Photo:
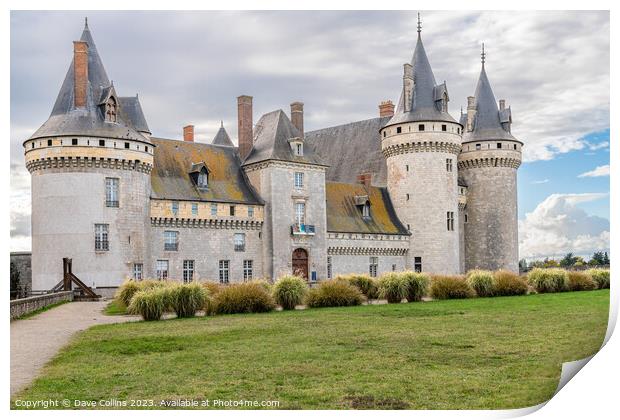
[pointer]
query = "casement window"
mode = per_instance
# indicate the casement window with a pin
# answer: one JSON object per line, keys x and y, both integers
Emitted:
{"x": 329, "y": 267}
{"x": 449, "y": 165}
{"x": 239, "y": 241}
{"x": 174, "y": 206}
{"x": 137, "y": 271}
{"x": 49, "y": 142}
{"x": 102, "y": 143}
{"x": 299, "y": 149}
{"x": 224, "y": 271}
{"x": 499, "y": 145}
{"x": 111, "y": 192}
{"x": 161, "y": 269}
{"x": 299, "y": 179}
{"x": 213, "y": 209}
{"x": 188, "y": 271}
{"x": 74, "y": 142}
{"x": 300, "y": 213}
{"x": 247, "y": 270}
{"x": 373, "y": 265}
{"x": 450, "y": 220}
{"x": 232, "y": 210}
{"x": 126, "y": 145}
{"x": 421, "y": 127}
{"x": 171, "y": 240}
{"x": 203, "y": 179}
{"x": 101, "y": 237}
{"x": 417, "y": 264}
{"x": 194, "y": 209}
{"x": 250, "y": 211}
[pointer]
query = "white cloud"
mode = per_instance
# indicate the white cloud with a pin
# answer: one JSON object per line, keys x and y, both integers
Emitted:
{"x": 598, "y": 171}
{"x": 598, "y": 146}
{"x": 557, "y": 226}
{"x": 542, "y": 181}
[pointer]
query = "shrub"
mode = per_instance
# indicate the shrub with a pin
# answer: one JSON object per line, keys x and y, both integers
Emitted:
{"x": 126, "y": 291}
{"x": 289, "y": 291}
{"x": 393, "y": 287}
{"x": 417, "y": 285}
{"x": 481, "y": 281}
{"x": 507, "y": 283}
{"x": 264, "y": 284}
{"x": 600, "y": 276}
{"x": 580, "y": 280}
{"x": 243, "y": 298}
{"x": 333, "y": 293}
{"x": 213, "y": 289}
{"x": 366, "y": 284}
{"x": 450, "y": 287}
{"x": 548, "y": 280}
{"x": 186, "y": 299}
{"x": 150, "y": 304}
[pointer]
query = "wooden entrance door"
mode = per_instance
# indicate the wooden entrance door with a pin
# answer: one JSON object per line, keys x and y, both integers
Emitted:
{"x": 300, "y": 263}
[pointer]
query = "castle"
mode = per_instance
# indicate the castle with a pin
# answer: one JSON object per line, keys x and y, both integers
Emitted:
{"x": 410, "y": 189}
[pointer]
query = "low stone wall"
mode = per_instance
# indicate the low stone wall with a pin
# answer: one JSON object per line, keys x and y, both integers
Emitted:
{"x": 21, "y": 307}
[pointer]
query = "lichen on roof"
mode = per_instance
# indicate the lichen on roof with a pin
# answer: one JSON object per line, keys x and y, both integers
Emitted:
{"x": 344, "y": 213}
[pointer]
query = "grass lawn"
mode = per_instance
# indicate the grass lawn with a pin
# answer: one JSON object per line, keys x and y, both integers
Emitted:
{"x": 477, "y": 353}
{"x": 115, "y": 307}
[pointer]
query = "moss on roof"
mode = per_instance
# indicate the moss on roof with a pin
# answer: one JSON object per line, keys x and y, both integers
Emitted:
{"x": 173, "y": 161}
{"x": 343, "y": 215}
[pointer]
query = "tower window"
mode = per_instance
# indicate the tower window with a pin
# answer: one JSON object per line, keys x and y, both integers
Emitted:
{"x": 407, "y": 168}
{"x": 110, "y": 109}
{"x": 49, "y": 142}
{"x": 465, "y": 217}
{"x": 232, "y": 210}
{"x": 74, "y": 142}
{"x": 188, "y": 271}
{"x": 32, "y": 145}
{"x": 239, "y": 241}
{"x": 171, "y": 240}
{"x": 458, "y": 130}
{"x": 478, "y": 147}
{"x": 407, "y": 196}
{"x": 126, "y": 145}
{"x": 417, "y": 264}
{"x": 421, "y": 127}
{"x": 449, "y": 165}
{"x": 102, "y": 143}
{"x": 384, "y": 133}
{"x": 515, "y": 146}
{"x": 366, "y": 211}
{"x": 101, "y": 237}
{"x": 203, "y": 179}
{"x": 399, "y": 130}
{"x": 450, "y": 220}
{"x": 372, "y": 266}
{"x": 444, "y": 127}
{"x": 146, "y": 149}
{"x": 499, "y": 145}
{"x": 111, "y": 192}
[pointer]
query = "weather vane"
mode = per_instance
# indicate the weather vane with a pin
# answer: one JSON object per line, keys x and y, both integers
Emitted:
{"x": 483, "y": 55}
{"x": 419, "y": 23}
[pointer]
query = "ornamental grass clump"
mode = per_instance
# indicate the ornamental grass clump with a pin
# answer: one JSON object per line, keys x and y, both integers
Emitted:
{"x": 212, "y": 289}
{"x": 393, "y": 287}
{"x": 481, "y": 281}
{"x": 264, "y": 284}
{"x": 417, "y": 285}
{"x": 243, "y": 298}
{"x": 331, "y": 293}
{"x": 548, "y": 280}
{"x": 365, "y": 284}
{"x": 186, "y": 299}
{"x": 126, "y": 291}
{"x": 150, "y": 304}
{"x": 600, "y": 276}
{"x": 289, "y": 291}
{"x": 450, "y": 287}
{"x": 507, "y": 283}
{"x": 580, "y": 280}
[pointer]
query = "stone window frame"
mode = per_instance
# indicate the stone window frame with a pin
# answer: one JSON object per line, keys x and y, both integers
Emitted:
{"x": 188, "y": 271}
{"x": 448, "y": 165}
{"x": 224, "y": 271}
{"x": 213, "y": 209}
{"x": 239, "y": 241}
{"x": 248, "y": 270}
{"x": 102, "y": 241}
{"x": 373, "y": 266}
{"x": 171, "y": 240}
{"x": 450, "y": 221}
{"x": 162, "y": 269}
{"x": 231, "y": 210}
{"x": 195, "y": 209}
{"x": 138, "y": 271}
{"x": 417, "y": 264}
{"x": 300, "y": 217}
{"x": 112, "y": 192}
{"x": 174, "y": 207}
{"x": 298, "y": 180}
{"x": 251, "y": 212}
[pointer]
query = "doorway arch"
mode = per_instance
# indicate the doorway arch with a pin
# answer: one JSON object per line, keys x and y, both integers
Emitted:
{"x": 300, "y": 263}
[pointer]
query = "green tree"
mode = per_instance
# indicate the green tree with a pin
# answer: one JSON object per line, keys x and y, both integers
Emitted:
{"x": 569, "y": 260}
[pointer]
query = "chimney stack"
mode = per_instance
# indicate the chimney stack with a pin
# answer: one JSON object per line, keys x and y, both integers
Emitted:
{"x": 471, "y": 112}
{"x": 80, "y": 73}
{"x": 386, "y": 109}
{"x": 365, "y": 179}
{"x": 502, "y": 104}
{"x": 188, "y": 133}
{"x": 297, "y": 116}
{"x": 244, "y": 125}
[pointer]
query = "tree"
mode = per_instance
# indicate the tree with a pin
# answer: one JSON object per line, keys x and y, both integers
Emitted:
{"x": 606, "y": 259}
{"x": 547, "y": 263}
{"x": 522, "y": 265}
{"x": 569, "y": 260}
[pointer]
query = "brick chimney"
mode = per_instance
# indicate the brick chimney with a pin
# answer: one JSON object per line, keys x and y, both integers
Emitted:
{"x": 188, "y": 133}
{"x": 297, "y": 116}
{"x": 80, "y": 73}
{"x": 386, "y": 109}
{"x": 244, "y": 125}
{"x": 364, "y": 179}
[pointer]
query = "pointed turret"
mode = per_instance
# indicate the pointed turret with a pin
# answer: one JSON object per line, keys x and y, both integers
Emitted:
{"x": 222, "y": 138}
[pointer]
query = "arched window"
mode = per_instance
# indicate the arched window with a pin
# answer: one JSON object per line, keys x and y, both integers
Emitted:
{"x": 110, "y": 109}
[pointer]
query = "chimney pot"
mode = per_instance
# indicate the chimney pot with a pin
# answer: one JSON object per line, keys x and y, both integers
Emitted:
{"x": 244, "y": 125}
{"x": 80, "y": 73}
{"x": 386, "y": 109}
{"x": 502, "y": 104}
{"x": 364, "y": 179}
{"x": 188, "y": 133}
{"x": 297, "y": 116}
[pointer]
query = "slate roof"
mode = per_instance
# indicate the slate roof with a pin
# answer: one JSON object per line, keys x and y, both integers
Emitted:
{"x": 271, "y": 141}
{"x": 174, "y": 160}
{"x": 425, "y": 92}
{"x": 65, "y": 119}
{"x": 350, "y": 150}
{"x": 131, "y": 111}
{"x": 343, "y": 215}
{"x": 488, "y": 119}
{"x": 221, "y": 138}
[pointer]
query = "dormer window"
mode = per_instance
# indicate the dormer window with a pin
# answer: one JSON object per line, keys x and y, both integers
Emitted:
{"x": 363, "y": 204}
{"x": 366, "y": 211}
{"x": 299, "y": 149}
{"x": 111, "y": 109}
{"x": 199, "y": 173}
{"x": 203, "y": 179}
{"x": 297, "y": 146}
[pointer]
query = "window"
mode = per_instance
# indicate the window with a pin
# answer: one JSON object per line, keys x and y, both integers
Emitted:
{"x": 111, "y": 192}
{"x": 465, "y": 217}
{"x": 444, "y": 127}
{"x": 478, "y": 146}
{"x": 126, "y": 145}
{"x": 458, "y": 130}
{"x": 449, "y": 165}
{"x": 110, "y": 109}
{"x": 417, "y": 264}
{"x": 407, "y": 196}
{"x": 393, "y": 267}
{"x": 299, "y": 149}
{"x": 450, "y": 220}
{"x": 195, "y": 209}
{"x": 232, "y": 210}
{"x": 137, "y": 271}
{"x": 74, "y": 142}
{"x": 329, "y": 267}
{"x": 247, "y": 270}
{"x": 203, "y": 179}
{"x": 372, "y": 268}
{"x": 188, "y": 271}
{"x": 32, "y": 147}
{"x": 299, "y": 179}
{"x": 146, "y": 149}
{"x": 384, "y": 134}
{"x": 407, "y": 168}
{"x": 420, "y": 127}
{"x": 399, "y": 130}
{"x": 102, "y": 143}
{"x": 499, "y": 145}
{"x": 409, "y": 227}
{"x": 366, "y": 211}
{"x": 224, "y": 271}
{"x": 300, "y": 213}
{"x": 515, "y": 146}
{"x": 239, "y": 241}
{"x": 49, "y": 142}
{"x": 101, "y": 237}
{"x": 250, "y": 211}
{"x": 175, "y": 207}
{"x": 171, "y": 242}
{"x": 213, "y": 209}
{"x": 161, "y": 268}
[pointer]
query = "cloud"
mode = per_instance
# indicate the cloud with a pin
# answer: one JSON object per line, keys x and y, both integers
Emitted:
{"x": 542, "y": 181}
{"x": 598, "y": 146}
{"x": 557, "y": 226}
{"x": 598, "y": 171}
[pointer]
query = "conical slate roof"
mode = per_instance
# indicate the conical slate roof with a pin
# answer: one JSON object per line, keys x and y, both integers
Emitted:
{"x": 423, "y": 106}
{"x": 488, "y": 119}
{"x": 66, "y": 119}
{"x": 222, "y": 138}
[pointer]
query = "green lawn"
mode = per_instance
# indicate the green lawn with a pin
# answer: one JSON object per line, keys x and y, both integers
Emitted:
{"x": 477, "y": 353}
{"x": 115, "y": 307}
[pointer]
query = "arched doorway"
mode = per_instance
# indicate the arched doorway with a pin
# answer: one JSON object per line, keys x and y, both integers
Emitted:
{"x": 300, "y": 263}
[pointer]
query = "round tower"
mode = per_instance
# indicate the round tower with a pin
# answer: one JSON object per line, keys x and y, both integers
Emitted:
{"x": 488, "y": 166}
{"x": 421, "y": 144}
{"x": 90, "y": 167}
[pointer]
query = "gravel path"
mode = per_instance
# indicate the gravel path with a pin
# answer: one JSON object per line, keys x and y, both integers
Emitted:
{"x": 35, "y": 341}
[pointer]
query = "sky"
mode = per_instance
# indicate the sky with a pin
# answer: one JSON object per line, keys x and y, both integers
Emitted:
{"x": 188, "y": 68}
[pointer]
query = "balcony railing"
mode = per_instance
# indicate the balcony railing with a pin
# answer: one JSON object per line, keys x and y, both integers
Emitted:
{"x": 302, "y": 229}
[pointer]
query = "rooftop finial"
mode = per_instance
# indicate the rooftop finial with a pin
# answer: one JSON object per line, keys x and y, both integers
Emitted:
{"x": 419, "y": 24}
{"x": 483, "y": 55}
{"x": 221, "y": 123}
{"x": 86, "y": 22}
